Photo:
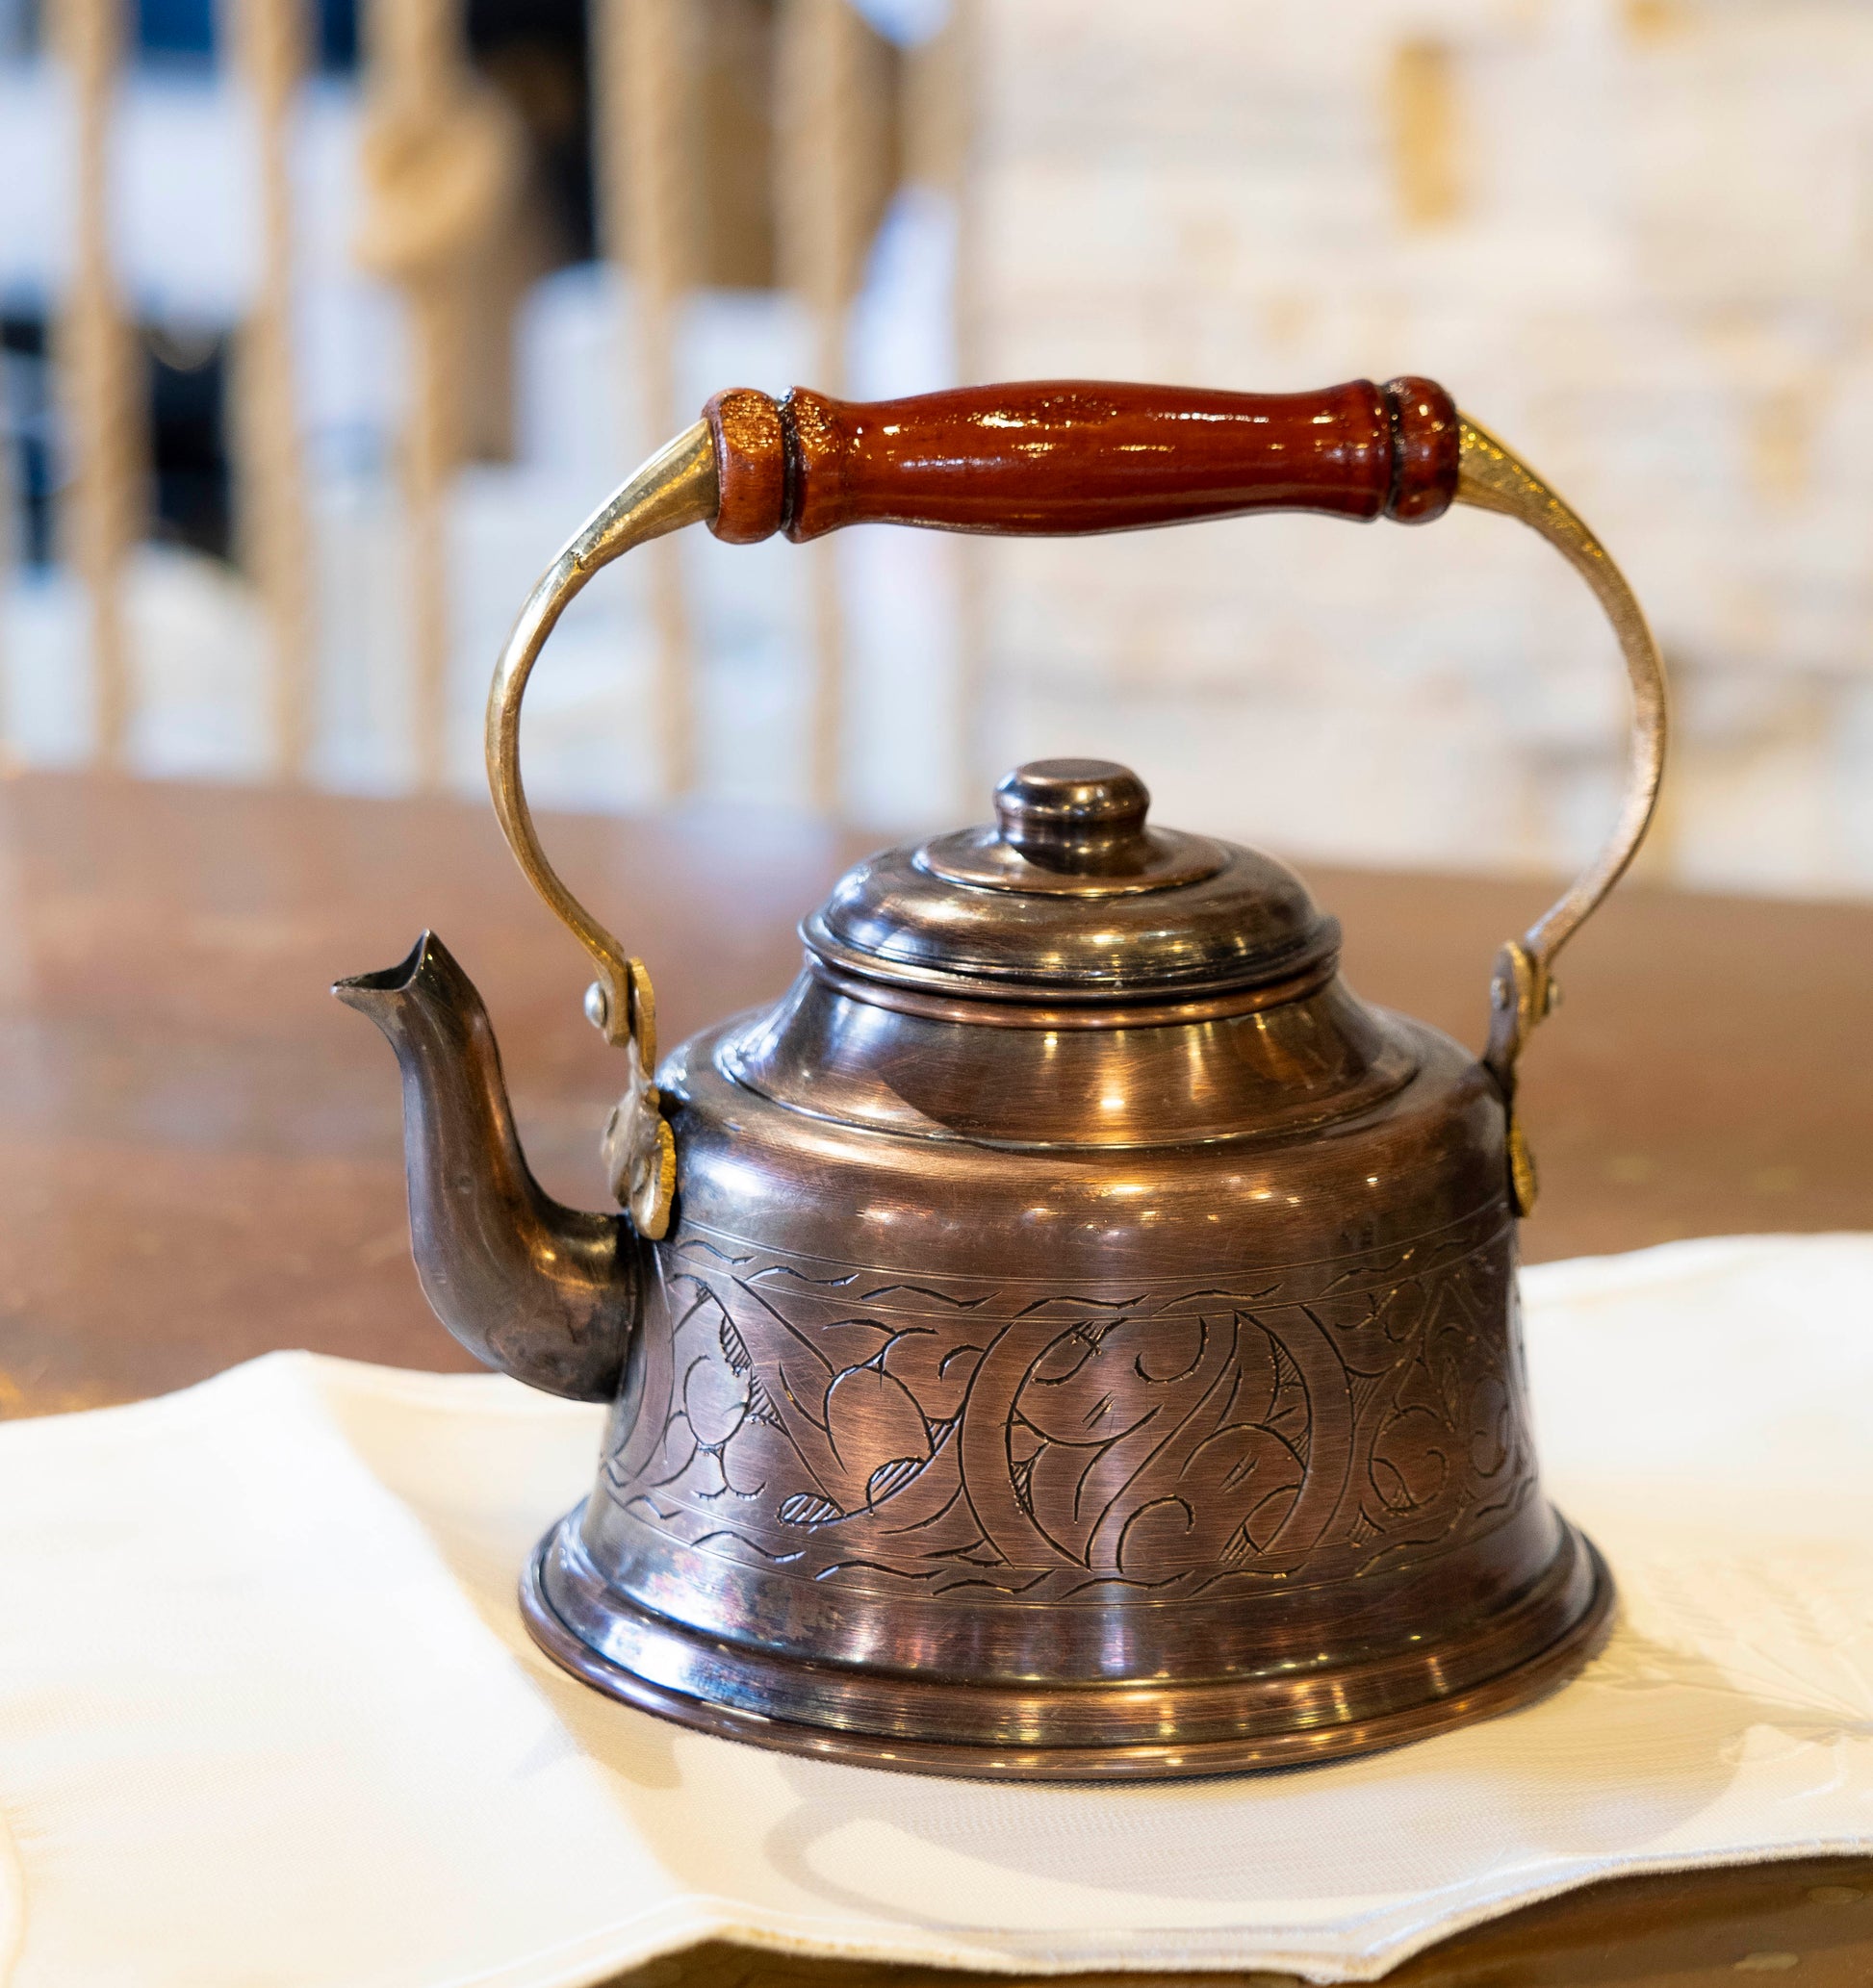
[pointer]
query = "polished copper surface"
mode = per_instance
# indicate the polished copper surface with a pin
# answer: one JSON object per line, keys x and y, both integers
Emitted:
{"x": 1302, "y": 1053}
{"x": 199, "y": 1160}
{"x": 484, "y": 1221}
{"x": 1105, "y": 1734}
{"x": 1137, "y": 1399}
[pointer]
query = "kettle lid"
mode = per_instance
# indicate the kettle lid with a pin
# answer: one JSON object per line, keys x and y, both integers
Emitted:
{"x": 1071, "y": 893}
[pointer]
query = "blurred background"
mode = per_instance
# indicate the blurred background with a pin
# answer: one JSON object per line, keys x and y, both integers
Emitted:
{"x": 325, "y": 325}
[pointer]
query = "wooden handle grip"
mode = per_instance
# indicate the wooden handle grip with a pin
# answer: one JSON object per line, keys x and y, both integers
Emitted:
{"x": 1061, "y": 457}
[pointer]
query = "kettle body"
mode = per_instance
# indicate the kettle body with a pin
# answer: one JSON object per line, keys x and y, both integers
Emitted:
{"x": 1022, "y": 1464}
{"x": 1069, "y": 1335}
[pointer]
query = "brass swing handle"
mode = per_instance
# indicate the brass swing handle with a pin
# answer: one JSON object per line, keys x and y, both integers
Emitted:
{"x": 1055, "y": 458}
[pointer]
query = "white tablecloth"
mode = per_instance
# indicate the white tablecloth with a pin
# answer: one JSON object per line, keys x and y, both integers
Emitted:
{"x": 268, "y": 1713}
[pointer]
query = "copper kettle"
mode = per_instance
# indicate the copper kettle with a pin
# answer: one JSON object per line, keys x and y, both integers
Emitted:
{"x": 1069, "y": 1334}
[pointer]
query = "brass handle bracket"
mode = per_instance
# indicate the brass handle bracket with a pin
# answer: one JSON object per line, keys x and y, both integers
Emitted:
{"x": 676, "y": 487}
{"x": 1523, "y": 989}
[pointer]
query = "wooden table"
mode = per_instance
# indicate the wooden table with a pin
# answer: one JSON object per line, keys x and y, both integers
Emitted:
{"x": 200, "y": 1155}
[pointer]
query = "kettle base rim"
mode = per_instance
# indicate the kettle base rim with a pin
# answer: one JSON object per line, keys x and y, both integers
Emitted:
{"x": 1554, "y": 1630}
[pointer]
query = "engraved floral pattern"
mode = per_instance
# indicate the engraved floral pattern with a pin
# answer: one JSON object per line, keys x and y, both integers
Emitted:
{"x": 983, "y": 1438}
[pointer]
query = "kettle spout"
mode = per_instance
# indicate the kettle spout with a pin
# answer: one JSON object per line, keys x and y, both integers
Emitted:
{"x": 544, "y": 1292}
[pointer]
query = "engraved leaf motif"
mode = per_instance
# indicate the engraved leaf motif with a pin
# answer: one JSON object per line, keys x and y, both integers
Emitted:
{"x": 715, "y": 1399}
{"x": 1084, "y": 1387}
{"x": 1409, "y": 1465}
{"x": 1161, "y": 1435}
{"x": 891, "y": 1477}
{"x": 1492, "y": 1426}
{"x": 1155, "y": 1536}
{"x": 1243, "y": 1482}
{"x": 935, "y": 1369}
{"x": 872, "y": 1419}
{"x": 1052, "y": 1481}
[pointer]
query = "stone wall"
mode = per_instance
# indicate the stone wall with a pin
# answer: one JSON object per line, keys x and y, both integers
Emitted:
{"x": 1632, "y": 238}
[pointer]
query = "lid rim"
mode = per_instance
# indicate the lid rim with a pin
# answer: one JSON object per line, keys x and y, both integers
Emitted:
{"x": 1021, "y": 984}
{"x": 1173, "y": 1008}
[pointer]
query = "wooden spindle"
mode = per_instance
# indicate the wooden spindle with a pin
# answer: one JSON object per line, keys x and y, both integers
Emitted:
{"x": 831, "y": 124}
{"x": 442, "y": 165}
{"x": 268, "y": 38}
{"x": 649, "y": 216}
{"x": 939, "y": 100}
{"x": 101, "y": 376}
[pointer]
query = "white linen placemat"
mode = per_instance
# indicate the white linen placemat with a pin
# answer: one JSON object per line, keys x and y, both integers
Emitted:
{"x": 268, "y": 1713}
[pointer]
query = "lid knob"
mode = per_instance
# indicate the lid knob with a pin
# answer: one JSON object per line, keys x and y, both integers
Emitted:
{"x": 1085, "y": 816}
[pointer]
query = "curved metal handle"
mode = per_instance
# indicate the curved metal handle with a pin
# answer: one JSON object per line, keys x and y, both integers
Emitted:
{"x": 1061, "y": 458}
{"x": 675, "y": 488}
{"x": 1521, "y": 991}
